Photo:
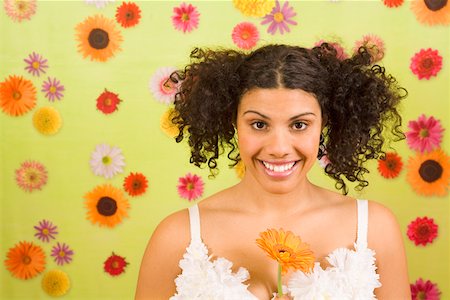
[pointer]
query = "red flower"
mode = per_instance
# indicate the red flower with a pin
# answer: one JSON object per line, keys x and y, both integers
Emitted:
{"x": 424, "y": 290}
{"x": 390, "y": 166}
{"x": 107, "y": 102}
{"x": 135, "y": 184}
{"x": 393, "y": 3}
{"x": 426, "y": 63}
{"x": 422, "y": 231}
{"x": 245, "y": 35}
{"x": 115, "y": 265}
{"x": 128, "y": 14}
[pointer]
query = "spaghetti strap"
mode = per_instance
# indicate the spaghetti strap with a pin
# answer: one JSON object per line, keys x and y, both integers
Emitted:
{"x": 363, "y": 216}
{"x": 194, "y": 219}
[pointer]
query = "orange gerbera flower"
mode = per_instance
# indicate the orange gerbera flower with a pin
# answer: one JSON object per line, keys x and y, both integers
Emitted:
{"x": 135, "y": 184}
{"x": 25, "y": 260}
{"x": 429, "y": 173}
{"x": 390, "y": 166}
{"x": 17, "y": 95}
{"x": 98, "y": 38}
{"x": 432, "y": 12}
{"x": 287, "y": 249}
{"x": 106, "y": 205}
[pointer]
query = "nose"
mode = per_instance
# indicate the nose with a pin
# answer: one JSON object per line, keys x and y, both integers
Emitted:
{"x": 279, "y": 144}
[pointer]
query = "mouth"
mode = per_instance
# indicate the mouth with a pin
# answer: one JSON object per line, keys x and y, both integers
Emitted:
{"x": 279, "y": 169}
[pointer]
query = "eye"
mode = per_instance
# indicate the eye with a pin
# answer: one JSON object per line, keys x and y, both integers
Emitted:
{"x": 259, "y": 125}
{"x": 299, "y": 125}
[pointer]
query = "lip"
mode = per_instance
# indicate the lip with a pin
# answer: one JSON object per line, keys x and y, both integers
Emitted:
{"x": 278, "y": 167}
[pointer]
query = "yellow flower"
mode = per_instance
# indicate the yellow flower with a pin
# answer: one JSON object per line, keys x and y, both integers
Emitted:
{"x": 429, "y": 173}
{"x": 287, "y": 249}
{"x": 47, "y": 120}
{"x": 254, "y": 8}
{"x": 240, "y": 169}
{"x": 55, "y": 283}
{"x": 166, "y": 124}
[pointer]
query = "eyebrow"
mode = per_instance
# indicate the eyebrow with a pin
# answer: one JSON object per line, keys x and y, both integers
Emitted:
{"x": 292, "y": 118}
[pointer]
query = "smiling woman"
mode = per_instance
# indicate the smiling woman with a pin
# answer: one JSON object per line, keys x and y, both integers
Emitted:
{"x": 276, "y": 110}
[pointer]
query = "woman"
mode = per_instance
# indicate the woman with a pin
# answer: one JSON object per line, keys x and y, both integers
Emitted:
{"x": 278, "y": 109}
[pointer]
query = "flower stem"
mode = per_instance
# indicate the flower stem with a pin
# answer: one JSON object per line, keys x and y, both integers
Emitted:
{"x": 280, "y": 288}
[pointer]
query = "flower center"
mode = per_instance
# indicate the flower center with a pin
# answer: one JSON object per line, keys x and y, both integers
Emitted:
{"x": 26, "y": 260}
{"x": 106, "y": 160}
{"x": 98, "y": 38}
{"x": 45, "y": 231}
{"x": 424, "y": 133}
{"x": 52, "y": 89}
{"x": 35, "y": 65}
{"x": 62, "y": 253}
{"x": 430, "y": 170}
{"x": 435, "y": 5}
{"x": 115, "y": 264}
{"x": 278, "y": 17}
{"x": 284, "y": 253}
{"x": 391, "y": 164}
{"x": 136, "y": 184}
{"x": 421, "y": 295}
{"x": 167, "y": 86}
{"x": 107, "y": 102}
{"x": 423, "y": 231}
{"x": 185, "y": 17}
{"x": 129, "y": 15}
{"x": 427, "y": 63}
{"x": 245, "y": 35}
{"x": 190, "y": 186}
{"x": 21, "y": 6}
{"x": 106, "y": 206}
{"x": 16, "y": 95}
{"x": 32, "y": 176}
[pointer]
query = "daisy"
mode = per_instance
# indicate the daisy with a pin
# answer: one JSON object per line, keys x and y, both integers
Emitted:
{"x": 340, "y": 51}
{"x": 115, "y": 265}
{"x": 390, "y": 166}
{"x": 424, "y": 134}
{"x": 99, "y": 3}
{"x": 254, "y": 8}
{"x": 106, "y": 205}
{"x": 19, "y": 10}
{"x": 26, "y": 260}
{"x": 185, "y": 17}
{"x": 422, "y": 231}
{"x": 429, "y": 173}
{"x": 279, "y": 18}
{"x": 62, "y": 254}
{"x": 426, "y": 63}
{"x": 424, "y": 290}
{"x": 245, "y": 35}
{"x": 45, "y": 231}
{"x": 431, "y": 12}
{"x": 52, "y": 89}
{"x": 374, "y": 44}
{"x": 36, "y": 64}
{"x": 166, "y": 124}
{"x": 108, "y": 102}
{"x": 47, "y": 120}
{"x": 98, "y": 38}
{"x": 135, "y": 184}
{"x": 107, "y": 161}
{"x": 17, "y": 95}
{"x": 55, "y": 283}
{"x": 393, "y": 3}
{"x": 128, "y": 14}
{"x": 190, "y": 187}
{"x": 162, "y": 88}
{"x": 31, "y": 175}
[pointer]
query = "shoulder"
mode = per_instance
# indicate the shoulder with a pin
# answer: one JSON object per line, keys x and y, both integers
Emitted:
{"x": 173, "y": 229}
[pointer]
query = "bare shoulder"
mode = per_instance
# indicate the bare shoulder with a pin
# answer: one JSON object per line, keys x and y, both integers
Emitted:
{"x": 383, "y": 225}
{"x": 160, "y": 263}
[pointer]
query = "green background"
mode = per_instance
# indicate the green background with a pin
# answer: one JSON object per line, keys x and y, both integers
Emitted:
{"x": 135, "y": 128}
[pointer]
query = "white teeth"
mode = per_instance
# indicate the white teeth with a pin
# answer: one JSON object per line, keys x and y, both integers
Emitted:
{"x": 278, "y": 168}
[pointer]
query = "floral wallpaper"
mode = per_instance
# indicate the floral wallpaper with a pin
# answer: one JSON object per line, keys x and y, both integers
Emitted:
{"x": 88, "y": 158}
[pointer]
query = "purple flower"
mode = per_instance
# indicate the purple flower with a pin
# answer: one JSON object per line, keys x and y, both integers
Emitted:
{"x": 35, "y": 64}
{"x": 53, "y": 89}
{"x": 45, "y": 231}
{"x": 62, "y": 254}
{"x": 279, "y": 18}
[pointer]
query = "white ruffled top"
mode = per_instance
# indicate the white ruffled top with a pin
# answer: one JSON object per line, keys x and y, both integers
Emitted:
{"x": 350, "y": 276}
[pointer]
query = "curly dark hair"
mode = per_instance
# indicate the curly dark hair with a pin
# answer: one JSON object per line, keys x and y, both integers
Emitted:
{"x": 358, "y": 102}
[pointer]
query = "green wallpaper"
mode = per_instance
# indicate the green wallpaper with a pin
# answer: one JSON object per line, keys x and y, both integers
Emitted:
{"x": 135, "y": 128}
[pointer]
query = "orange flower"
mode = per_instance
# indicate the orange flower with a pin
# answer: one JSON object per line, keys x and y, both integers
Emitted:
{"x": 25, "y": 260}
{"x": 135, "y": 184}
{"x": 429, "y": 173}
{"x": 390, "y": 166}
{"x": 17, "y": 95}
{"x": 287, "y": 249}
{"x": 430, "y": 12}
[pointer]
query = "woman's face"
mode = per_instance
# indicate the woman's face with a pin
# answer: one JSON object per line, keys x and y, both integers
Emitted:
{"x": 278, "y": 136}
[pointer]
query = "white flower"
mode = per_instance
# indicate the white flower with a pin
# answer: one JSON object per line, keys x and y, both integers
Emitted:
{"x": 98, "y": 3}
{"x": 107, "y": 161}
{"x": 164, "y": 91}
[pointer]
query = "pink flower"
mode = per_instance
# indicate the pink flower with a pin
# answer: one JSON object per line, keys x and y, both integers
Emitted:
{"x": 425, "y": 134}
{"x": 45, "y": 231}
{"x": 424, "y": 290}
{"x": 20, "y": 10}
{"x": 53, "y": 89}
{"x": 279, "y": 18}
{"x": 163, "y": 90}
{"x": 190, "y": 187}
{"x": 374, "y": 45}
{"x": 340, "y": 51}
{"x": 36, "y": 64}
{"x": 62, "y": 254}
{"x": 426, "y": 63}
{"x": 185, "y": 17}
{"x": 31, "y": 175}
{"x": 422, "y": 231}
{"x": 245, "y": 35}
